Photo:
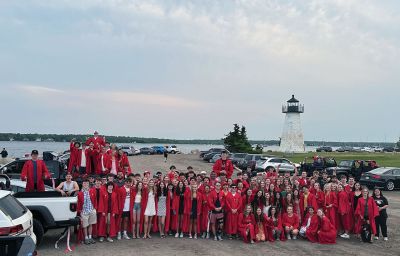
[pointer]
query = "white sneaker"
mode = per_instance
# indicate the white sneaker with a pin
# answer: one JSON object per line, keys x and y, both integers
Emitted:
{"x": 190, "y": 236}
{"x": 119, "y": 236}
{"x": 215, "y": 238}
{"x": 109, "y": 239}
{"x": 101, "y": 239}
{"x": 181, "y": 236}
{"x": 385, "y": 239}
{"x": 195, "y": 236}
{"x": 176, "y": 235}
{"x": 126, "y": 237}
{"x": 220, "y": 238}
{"x": 345, "y": 236}
{"x": 288, "y": 237}
{"x": 294, "y": 237}
{"x": 208, "y": 236}
{"x": 376, "y": 238}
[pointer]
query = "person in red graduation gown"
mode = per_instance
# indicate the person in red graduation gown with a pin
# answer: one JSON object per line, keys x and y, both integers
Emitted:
{"x": 97, "y": 141}
{"x": 192, "y": 211}
{"x": 169, "y": 209}
{"x": 126, "y": 202}
{"x": 179, "y": 208}
{"x": 290, "y": 223}
{"x": 217, "y": 205}
{"x": 109, "y": 210}
{"x": 246, "y": 223}
{"x": 247, "y": 199}
{"x": 343, "y": 212}
{"x": 223, "y": 164}
{"x": 123, "y": 161}
{"x": 310, "y": 226}
{"x": 307, "y": 199}
{"x": 34, "y": 172}
{"x": 260, "y": 227}
{"x": 319, "y": 196}
{"x": 233, "y": 203}
{"x": 103, "y": 163}
{"x": 331, "y": 202}
{"x": 274, "y": 227}
{"x": 205, "y": 211}
{"x": 74, "y": 152}
{"x": 368, "y": 216}
{"x": 97, "y": 188}
{"x": 327, "y": 231}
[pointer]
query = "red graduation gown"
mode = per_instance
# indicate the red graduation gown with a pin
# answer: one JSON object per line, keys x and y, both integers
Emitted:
{"x": 103, "y": 208}
{"x": 205, "y": 209}
{"x": 343, "y": 211}
{"x": 271, "y": 225}
{"x": 98, "y": 142}
{"x": 311, "y": 201}
{"x": 373, "y": 212}
{"x": 331, "y": 198}
{"x": 188, "y": 210}
{"x": 41, "y": 173}
{"x": 232, "y": 202}
{"x": 327, "y": 232}
{"x": 311, "y": 232}
{"x": 244, "y": 223}
{"x": 123, "y": 161}
{"x": 228, "y": 168}
{"x": 288, "y": 221}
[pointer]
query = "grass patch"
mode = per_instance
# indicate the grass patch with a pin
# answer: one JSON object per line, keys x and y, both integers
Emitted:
{"x": 383, "y": 159}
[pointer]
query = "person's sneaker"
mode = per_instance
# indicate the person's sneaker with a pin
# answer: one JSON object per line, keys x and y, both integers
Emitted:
{"x": 109, "y": 239}
{"x": 215, "y": 238}
{"x": 87, "y": 241}
{"x": 195, "y": 236}
{"x": 190, "y": 236}
{"x": 119, "y": 236}
{"x": 181, "y": 235}
{"x": 220, "y": 238}
{"x": 345, "y": 236}
{"x": 208, "y": 236}
{"x": 230, "y": 237}
{"x": 252, "y": 242}
{"x": 203, "y": 235}
{"x": 101, "y": 239}
{"x": 92, "y": 241}
{"x": 294, "y": 237}
{"x": 177, "y": 235}
{"x": 126, "y": 237}
{"x": 288, "y": 237}
{"x": 385, "y": 239}
{"x": 377, "y": 238}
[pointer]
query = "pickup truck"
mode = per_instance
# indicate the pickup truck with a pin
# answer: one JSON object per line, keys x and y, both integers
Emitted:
{"x": 353, "y": 167}
{"x": 318, "y": 164}
{"x": 56, "y": 169}
{"x": 50, "y": 210}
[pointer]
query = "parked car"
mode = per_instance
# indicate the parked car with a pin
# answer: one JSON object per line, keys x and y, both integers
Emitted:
{"x": 238, "y": 158}
{"x": 324, "y": 149}
{"x": 250, "y": 161}
{"x": 209, "y": 156}
{"x": 50, "y": 209}
{"x": 353, "y": 167}
{"x": 284, "y": 164}
{"x": 56, "y": 168}
{"x": 388, "y": 149}
{"x": 211, "y": 150}
{"x": 173, "y": 149}
{"x": 345, "y": 149}
{"x": 367, "y": 149}
{"x": 17, "y": 236}
{"x": 215, "y": 158}
{"x": 317, "y": 164}
{"x": 147, "y": 151}
{"x": 384, "y": 177}
{"x": 159, "y": 149}
{"x": 127, "y": 150}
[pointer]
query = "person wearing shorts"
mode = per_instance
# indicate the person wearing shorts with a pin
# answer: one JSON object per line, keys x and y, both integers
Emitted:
{"x": 217, "y": 214}
{"x": 87, "y": 211}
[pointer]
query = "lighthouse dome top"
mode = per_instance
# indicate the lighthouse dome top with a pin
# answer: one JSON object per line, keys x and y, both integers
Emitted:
{"x": 293, "y": 99}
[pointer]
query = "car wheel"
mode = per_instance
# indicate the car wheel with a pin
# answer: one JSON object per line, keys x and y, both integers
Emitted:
{"x": 38, "y": 230}
{"x": 173, "y": 152}
{"x": 389, "y": 185}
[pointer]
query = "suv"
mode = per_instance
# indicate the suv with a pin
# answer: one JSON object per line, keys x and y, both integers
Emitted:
{"x": 250, "y": 161}
{"x": 16, "y": 227}
{"x": 127, "y": 150}
{"x": 324, "y": 149}
{"x": 56, "y": 169}
{"x": 283, "y": 164}
{"x": 159, "y": 149}
{"x": 173, "y": 149}
{"x": 212, "y": 150}
{"x": 238, "y": 158}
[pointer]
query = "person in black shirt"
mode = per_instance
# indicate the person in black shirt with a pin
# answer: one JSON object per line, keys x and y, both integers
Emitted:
{"x": 4, "y": 153}
{"x": 380, "y": 220}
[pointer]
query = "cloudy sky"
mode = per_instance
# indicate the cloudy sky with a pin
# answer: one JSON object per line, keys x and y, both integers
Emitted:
{"x": 190, "y": 69}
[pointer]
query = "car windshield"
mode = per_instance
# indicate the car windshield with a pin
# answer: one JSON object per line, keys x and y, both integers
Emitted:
{"x": 379, "y": 171}
{"x": 12, "y": 207}
{"x": 345, "y": 163}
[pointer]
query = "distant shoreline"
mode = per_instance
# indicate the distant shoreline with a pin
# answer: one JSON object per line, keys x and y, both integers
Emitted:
{"x": 26, "y": 137}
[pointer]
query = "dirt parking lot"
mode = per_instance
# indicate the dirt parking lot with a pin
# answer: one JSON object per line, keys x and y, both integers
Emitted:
{"x": 185, "y": 246}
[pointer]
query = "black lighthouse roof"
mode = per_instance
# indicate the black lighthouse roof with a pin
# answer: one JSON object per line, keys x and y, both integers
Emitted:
{"x": 293, "y": 99}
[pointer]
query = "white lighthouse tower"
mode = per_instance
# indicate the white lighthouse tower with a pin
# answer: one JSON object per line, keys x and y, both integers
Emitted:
{"x": 292, "y": 139}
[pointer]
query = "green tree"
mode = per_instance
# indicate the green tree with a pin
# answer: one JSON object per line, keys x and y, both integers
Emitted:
{"x": 237, "y": 141}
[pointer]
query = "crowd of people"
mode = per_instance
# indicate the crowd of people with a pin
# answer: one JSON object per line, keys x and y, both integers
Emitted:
{"x": 116, "y": 203}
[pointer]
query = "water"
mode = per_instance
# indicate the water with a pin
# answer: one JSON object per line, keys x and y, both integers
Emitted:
{"x": 20, "y": 148}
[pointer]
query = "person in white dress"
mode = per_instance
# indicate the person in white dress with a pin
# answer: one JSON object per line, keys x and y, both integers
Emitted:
{"x": 150, "y": 211}
{"x": 162, "y": 192}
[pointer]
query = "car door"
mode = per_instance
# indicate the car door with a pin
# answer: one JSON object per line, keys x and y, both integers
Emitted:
{"x": 14, "y": 169}
{"x": 286, "y": 165}
{"x": 396, "y": 177}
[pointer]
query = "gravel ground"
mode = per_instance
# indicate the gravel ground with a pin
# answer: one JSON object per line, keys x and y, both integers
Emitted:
{"x": 185, "y": 246}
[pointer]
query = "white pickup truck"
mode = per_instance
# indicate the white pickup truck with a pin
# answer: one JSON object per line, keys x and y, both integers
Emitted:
{"x": 50, "y": 210}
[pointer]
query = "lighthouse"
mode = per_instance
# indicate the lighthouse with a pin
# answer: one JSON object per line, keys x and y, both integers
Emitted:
{"x": 292, "y": 139}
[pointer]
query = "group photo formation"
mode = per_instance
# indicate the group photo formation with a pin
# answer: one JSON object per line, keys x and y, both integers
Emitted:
{"x": 221, "y": 128}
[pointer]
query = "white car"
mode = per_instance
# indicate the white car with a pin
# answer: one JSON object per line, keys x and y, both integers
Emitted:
{"x": 16, "y": 224}
{"x": 284, "y": 164}
{"x": 173, "y": 149}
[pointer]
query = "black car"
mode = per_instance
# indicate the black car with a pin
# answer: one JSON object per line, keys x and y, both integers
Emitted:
{"x": 147, "y": 151}
{"x": 56, "y": 169}
{"x": 324, "y": 149}
{"x": 209, "y": 156}
{"x": 212, "y": 150}
{"x": 384, "y": 177}
{"x": 318, "y": 164}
